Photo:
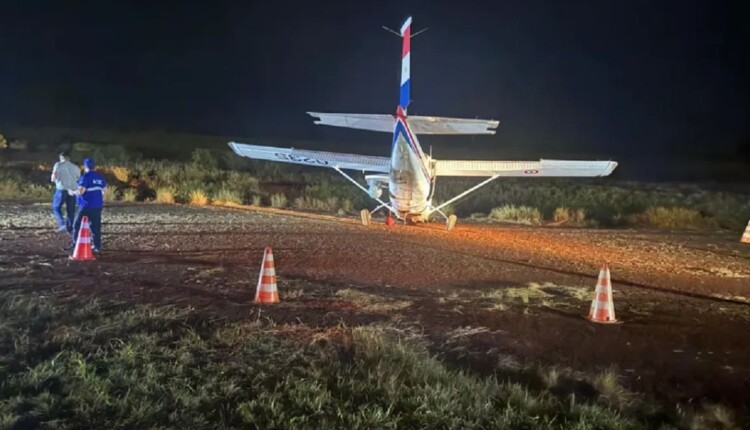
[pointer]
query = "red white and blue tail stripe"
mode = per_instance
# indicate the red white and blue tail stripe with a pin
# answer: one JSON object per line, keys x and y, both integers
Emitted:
{"x": 405, "y": 59}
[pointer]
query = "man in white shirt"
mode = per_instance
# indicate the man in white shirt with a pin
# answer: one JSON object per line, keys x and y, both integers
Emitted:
{"x": 65, "y": 176}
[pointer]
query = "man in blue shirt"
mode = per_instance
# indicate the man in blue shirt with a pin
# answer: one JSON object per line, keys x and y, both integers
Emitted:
{"x": 90, "y": 200}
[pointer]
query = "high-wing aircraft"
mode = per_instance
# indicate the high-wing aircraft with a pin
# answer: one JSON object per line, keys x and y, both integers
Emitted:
{"x": 409, "y": 173}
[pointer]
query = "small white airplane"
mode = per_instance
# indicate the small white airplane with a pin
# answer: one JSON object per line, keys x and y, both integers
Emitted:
{"x": 409, "y": 173}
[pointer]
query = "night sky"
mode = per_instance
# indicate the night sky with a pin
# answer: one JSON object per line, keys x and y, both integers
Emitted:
{"x": 638, "y": 77}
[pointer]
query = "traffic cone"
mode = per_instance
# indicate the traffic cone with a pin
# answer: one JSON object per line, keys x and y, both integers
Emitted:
{"x": 82, "y": 250}
{"x": 266, "y": 291}
{"x": 602, "y": 307}
{"x": 390, "y": 221}
{"x": 746, "y": 234}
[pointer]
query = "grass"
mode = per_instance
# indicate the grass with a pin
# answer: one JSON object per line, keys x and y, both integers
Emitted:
{"x": 372, "y": 302}
{"x": 13, "y": 190}
{"x": 226, "y": 196}
{"x": 607, "y": 202}
{"x": 165, "y": 194}
{"x": 129, "y": 195}
{"x": 676, "y": 217}
{"x": 109, "y": 193}
{"x": 199, "y": 197}
{"x": 278, "y": 201}
{"x": 90, "y": 364}
{"x": 710, "y": 417}
{"x": 526, "y": 293}
{"x": 120, "y": 173}
{"x": 547, "y": 294}
{"x": 610, "y": 390}
{"x": 520, "y": 214}
{"x": 569, "y": 216}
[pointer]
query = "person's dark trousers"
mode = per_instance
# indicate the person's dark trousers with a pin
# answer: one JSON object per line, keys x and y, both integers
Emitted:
{"x": 95, "y": 222}
{"x": 60, "y": 198}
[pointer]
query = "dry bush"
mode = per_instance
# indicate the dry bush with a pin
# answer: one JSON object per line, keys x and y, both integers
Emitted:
{"x": 561, "y": 215}
{"x": 165, "y": 194}
{"x": 569, "y": 216}
{"x": 198, "y": 197}
{"x": 120, "y": 173}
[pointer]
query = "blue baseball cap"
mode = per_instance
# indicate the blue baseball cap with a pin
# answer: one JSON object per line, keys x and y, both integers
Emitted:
{"x": 89, "y": 162}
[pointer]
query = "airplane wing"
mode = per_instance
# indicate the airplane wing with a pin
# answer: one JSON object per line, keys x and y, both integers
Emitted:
{"x": 417, "y": 124}
{"x": 541, "y": 168}
{"x": 365, "y": 163}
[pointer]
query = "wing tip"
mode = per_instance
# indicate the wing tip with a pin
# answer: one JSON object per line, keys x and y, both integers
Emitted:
{"x": 234, "y": 147}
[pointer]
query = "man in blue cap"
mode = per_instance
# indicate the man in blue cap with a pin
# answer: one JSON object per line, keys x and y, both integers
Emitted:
{"x": 90, "y": 199}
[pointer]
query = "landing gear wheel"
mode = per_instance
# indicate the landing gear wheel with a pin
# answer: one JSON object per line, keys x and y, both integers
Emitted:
{"x": 451, "y": 222}
{"x": 366, "y": 217}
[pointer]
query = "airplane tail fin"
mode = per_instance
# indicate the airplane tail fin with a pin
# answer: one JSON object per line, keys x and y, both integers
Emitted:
{"x": 404, "y": 96}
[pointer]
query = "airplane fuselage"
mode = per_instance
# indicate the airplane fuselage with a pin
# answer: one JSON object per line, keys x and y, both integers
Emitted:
{"x": 410, "y": 178}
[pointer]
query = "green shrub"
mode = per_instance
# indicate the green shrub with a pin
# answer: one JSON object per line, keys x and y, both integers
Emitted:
{"x": 278, "y": 201}
{"x": 677, "y": 217}
{"x": 14, "y": 186}
{"x": 129, "y": 195}
{"x": 19, "y": 145}
{"x": 346, "y": 206}
{"x": 204, "y": 159}
{"x": 225, "y": 196}
{"x": 520, "y": 214}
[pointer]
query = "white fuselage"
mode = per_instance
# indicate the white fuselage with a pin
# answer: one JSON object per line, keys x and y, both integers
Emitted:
{"x": 410, "y": 178}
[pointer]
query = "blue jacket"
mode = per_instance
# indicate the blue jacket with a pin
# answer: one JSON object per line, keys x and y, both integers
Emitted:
{"x": 94, "y": 183}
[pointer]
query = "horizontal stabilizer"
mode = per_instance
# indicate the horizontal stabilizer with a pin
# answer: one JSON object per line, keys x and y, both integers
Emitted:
{"x": 365, "y": 163}
{"x": 360, "y": 121}
{"x": 417, "y": 124}
{"x": 442, "y": 125}
{"x": 541, "y": 168}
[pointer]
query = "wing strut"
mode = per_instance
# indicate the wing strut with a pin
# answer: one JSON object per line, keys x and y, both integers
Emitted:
{"x": 382, "y": 203}
{"x": 470, "y": 190}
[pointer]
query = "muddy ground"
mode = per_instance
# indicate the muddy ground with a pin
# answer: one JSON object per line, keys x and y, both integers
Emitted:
{"x": 492, "y": 298}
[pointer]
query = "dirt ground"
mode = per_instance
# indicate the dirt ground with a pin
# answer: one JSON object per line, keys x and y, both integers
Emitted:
{"x": 490, "y": 297}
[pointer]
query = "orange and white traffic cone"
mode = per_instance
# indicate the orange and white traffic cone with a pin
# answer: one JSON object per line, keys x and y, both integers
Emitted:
{"x": 267, "y": 291}
{"x": 602, "y": 307}
{"x": 746, "y": 234}
{"x": 82, "y": 251}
